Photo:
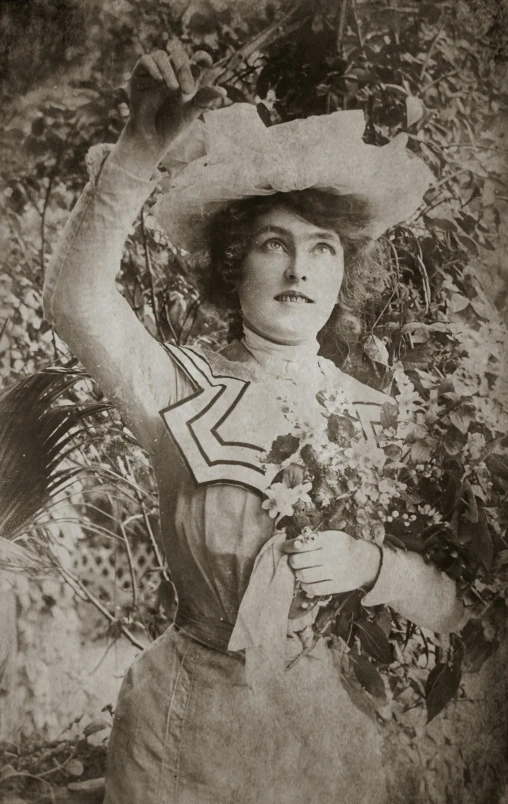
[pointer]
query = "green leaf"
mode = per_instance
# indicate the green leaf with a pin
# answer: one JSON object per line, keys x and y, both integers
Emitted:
{"x": 477, "y": 648}
{"x": 493, "y": 446}
{"x": 440, "y": 223}
{"x": 376, "y": 350}
{"x": 421, "y": 451}
{"x": 234, "y": 94}
{"x": 446, "y": 386}
{"x": 442, "y": 685}
{"x": 359, "y": 696}
{"x": 420, "y": 357}
{"x": 478, "y": 539}
{"x": 498, "y": 465}
{"x": 414, "y": 110}
{"x": 457, "y": 303}
{"x": 454, "y": 441}
{"x": 389, "y": 413}
{"x": 373, "y": 640}
{"x": 451, "y": 397}
{"x": 75, "y": 767}
{"x": 95, "y": 726}
{"x": 340, "y": 429}
{"x": 393, "y": 452}
{"x": 282, "y": 448}
{"x": 368, "y": 676}
{"x": 462, "y": 416}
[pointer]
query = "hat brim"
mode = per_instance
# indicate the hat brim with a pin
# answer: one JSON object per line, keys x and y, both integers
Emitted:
{"x": 231, "y": 155}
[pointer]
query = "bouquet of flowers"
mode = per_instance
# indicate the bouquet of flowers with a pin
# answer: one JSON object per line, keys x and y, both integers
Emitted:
{"x": 422, "y": 487}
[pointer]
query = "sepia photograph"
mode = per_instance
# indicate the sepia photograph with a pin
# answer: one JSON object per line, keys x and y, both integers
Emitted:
{"x": 251, "y": 554}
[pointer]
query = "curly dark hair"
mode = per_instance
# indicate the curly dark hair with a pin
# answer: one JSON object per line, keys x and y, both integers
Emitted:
{"x": 229, "y": 236}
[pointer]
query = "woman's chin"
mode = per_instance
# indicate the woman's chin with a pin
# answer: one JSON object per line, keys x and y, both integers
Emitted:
{"x": 291, "y": 336}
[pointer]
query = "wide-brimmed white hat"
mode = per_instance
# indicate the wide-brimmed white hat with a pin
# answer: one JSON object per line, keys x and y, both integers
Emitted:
{"x": 232, "y": 155}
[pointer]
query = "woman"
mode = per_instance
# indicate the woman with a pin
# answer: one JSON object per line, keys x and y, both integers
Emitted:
{"x": 208, "y": 712}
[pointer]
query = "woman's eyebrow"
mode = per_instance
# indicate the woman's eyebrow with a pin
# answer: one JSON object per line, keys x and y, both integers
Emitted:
{"x": 272, "y": 228}
{"x": 321, "y": 235}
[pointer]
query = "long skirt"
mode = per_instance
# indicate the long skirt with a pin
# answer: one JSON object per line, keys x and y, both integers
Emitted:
{"x": 188, "y": 730}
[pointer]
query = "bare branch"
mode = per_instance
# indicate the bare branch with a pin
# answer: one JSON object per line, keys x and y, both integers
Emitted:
{"x": 130, "y": 562}
{"x": 148, "y": 263}
{"x": 225, "y": 69}
{"x": 340, "y": 28}
{"x": 76, "y": 584}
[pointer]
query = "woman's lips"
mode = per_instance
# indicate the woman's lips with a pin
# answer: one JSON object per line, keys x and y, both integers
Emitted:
{"x": 293, "y": 298}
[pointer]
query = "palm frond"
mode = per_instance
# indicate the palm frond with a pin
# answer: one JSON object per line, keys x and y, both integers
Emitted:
{"x": 35, "y": 436}
{"x": 17, "y": 558}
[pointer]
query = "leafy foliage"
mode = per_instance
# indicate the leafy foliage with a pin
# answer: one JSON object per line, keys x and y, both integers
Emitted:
{"x": 35, "y": 436}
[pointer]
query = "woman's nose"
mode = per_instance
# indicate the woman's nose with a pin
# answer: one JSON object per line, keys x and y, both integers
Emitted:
{"x": 296, "y": 268}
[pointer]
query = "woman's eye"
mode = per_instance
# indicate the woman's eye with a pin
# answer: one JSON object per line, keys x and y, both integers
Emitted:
{"x": 324, "y": 248}
{"x": 274, "y": 245}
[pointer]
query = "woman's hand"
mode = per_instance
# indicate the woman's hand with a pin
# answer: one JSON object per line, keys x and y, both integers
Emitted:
{"x": 333, "y": 563}
{"x": 165, "y": 97}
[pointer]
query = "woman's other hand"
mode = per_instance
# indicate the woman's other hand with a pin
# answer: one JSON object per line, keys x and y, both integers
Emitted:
{"x": 167, "y": 92}
{"x": 333, "y": 563}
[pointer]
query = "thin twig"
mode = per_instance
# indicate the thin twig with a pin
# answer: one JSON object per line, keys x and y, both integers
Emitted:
{"x": 105, "y": 470}
{"x": 470, "y": 145}
{"x": 170, "y": 323}
{"x": 224, "y": 70}
{"x": 4, "y": 326}
{"x": 39, "y": 778}
{"x": 148, "y": 263}
{"x": 192, "y": 310}
{"x": 431, "y": 49}
{"x": 450, "y": 177}
{"x": 76, "y": 583}
{"x": 47, "y": 196}
{"x": 43, "y": 220}
{"x": 111, "y": 645}
{"x": 130, "y": 562}
{"x": 340, "y": 27}
{"x": 399, "y": 10}
{"x": 381, "y": 314}
{"x": 95, "y": 529}
{"x": 357, "y": 26}
{"x": 440, "y": 78}
{"x": 426, "y": 283}
{"x": 151, "y": 535}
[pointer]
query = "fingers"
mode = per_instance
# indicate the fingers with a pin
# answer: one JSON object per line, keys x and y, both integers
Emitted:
{"x": 161, "y": 60}
{"x": 153, "y": 67}
{"x": 174, "y": 70}
{"x": 312, "y": 575}
{"x": 299, "y": 545}
{"x": 182, "y": 66}
{"x": 206, "y": 98}
{"x": 320, "y": 588}
{"x": 202, "y": 59}
{"x": 311, "y": 558}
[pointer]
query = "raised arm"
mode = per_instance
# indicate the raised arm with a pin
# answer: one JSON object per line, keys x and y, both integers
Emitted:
{"x": 80, "y": 296}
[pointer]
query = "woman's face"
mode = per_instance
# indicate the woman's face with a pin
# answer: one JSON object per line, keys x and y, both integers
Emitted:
{"x": 291, "y": 277}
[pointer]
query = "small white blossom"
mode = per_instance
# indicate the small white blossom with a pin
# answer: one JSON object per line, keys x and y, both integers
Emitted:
{"x": 281, "y": 499}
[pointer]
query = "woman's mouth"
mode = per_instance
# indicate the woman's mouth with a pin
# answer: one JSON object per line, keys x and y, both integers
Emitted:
{"x": 293, "y": 298}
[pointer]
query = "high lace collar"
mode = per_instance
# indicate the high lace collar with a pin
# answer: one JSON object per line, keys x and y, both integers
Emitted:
{"x": 280, "y": 359}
